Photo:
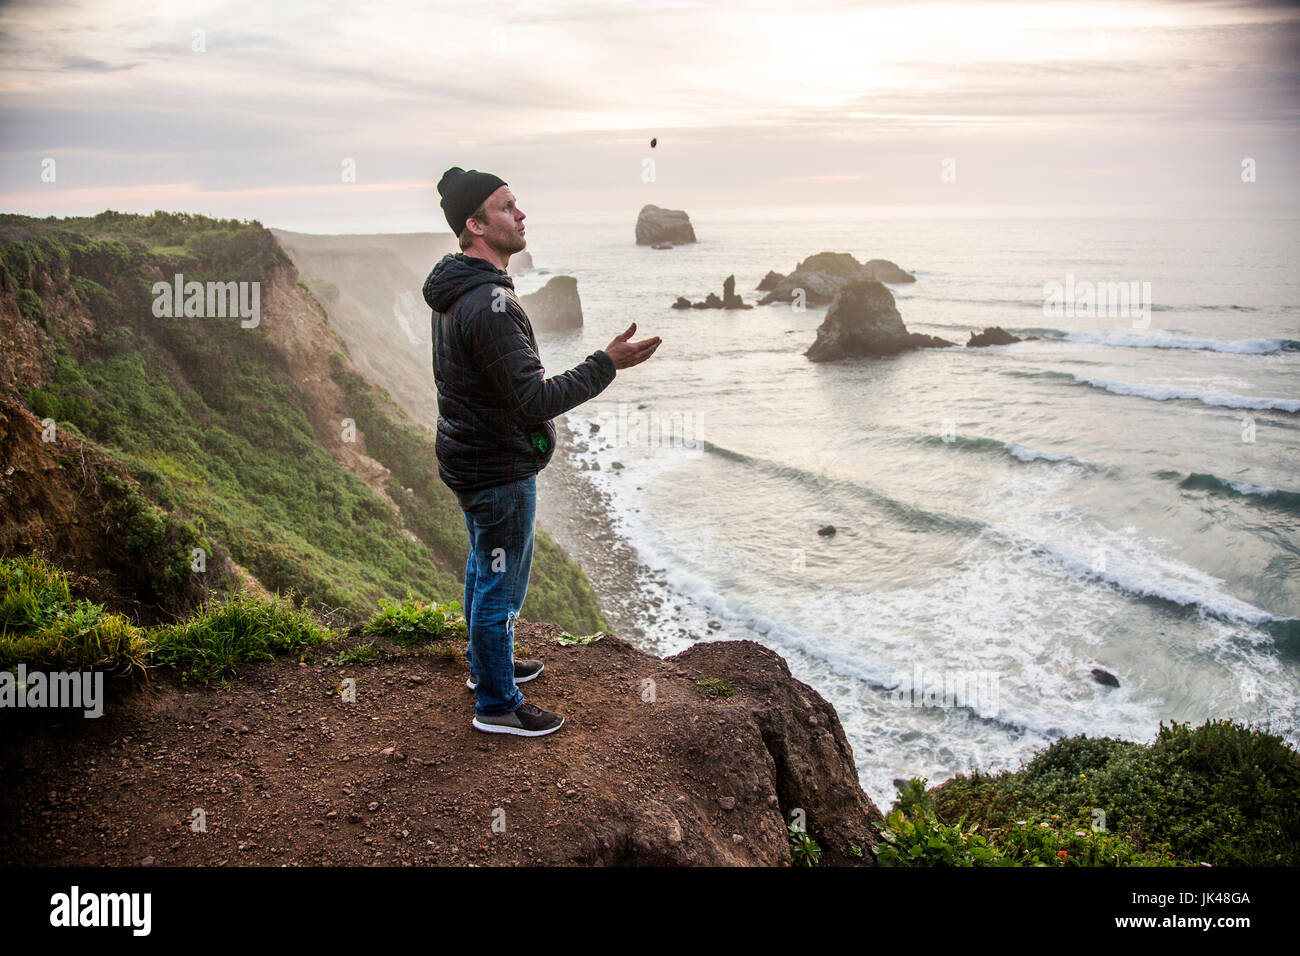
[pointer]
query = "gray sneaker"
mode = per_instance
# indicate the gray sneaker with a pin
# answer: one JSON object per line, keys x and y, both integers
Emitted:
{"x": 524, "y": 672}
{"x": 528, "y": 721}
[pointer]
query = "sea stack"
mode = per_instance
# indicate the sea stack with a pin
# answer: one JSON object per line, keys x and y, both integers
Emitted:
{"x": 554, "y": 306}
{"x": 729, "y": 299}
{"x": 994, "y": 335}
{"x": 863, "y": 321}
{"x": 519, "y": 262}
{"x": 656, "y": 226}
{"x": 823, "y": 275}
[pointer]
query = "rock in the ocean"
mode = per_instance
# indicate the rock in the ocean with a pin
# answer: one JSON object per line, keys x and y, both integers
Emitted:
{"x": 920, "y": 341}
{"x": 554, "y": 306}
{"x": 1104, "y": 677}
{"x": 991, "y": 336}
{"x": 519, "y": 262}
{"x": 729, "y": 299}
{"x": 823, "y": 275}
{"x": 826, "y": 530}
{"x": 657, "y": 226}
{"x": 864, "y": 321}
{"x": 882, "y": 270}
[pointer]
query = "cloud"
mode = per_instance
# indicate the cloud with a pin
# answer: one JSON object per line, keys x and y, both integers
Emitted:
{"x": 836, "y": 98}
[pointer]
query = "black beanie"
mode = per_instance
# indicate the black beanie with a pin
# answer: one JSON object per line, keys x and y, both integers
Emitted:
{"x": 463, "y": 192}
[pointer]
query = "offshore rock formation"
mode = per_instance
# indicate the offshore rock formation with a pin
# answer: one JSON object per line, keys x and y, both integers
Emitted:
{"x": 994, "y": 335}
{"x": 823, "y": 275}
{"x": 863, "y": 321}
{"x": 554, "y": 306}
{"x": 729, "y": 299}
{"x": 656, "y": 226}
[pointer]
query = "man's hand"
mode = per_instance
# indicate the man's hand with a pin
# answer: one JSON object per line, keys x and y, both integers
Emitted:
{"x": 626, "y": 354}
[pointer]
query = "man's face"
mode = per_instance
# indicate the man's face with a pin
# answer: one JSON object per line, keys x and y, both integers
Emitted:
{"x": 505, "y": 225}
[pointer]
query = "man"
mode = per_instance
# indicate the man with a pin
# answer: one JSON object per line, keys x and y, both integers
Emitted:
{"x": 495, "y": 432}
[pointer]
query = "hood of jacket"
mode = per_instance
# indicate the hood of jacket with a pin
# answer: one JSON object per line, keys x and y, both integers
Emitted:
{"x": 455, "y": 274}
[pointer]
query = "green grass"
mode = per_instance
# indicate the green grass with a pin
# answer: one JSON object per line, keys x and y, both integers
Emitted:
{"x": 225, "y": 633}
{"x": 361, "y": 654}
{"x": 32, "y": 593}
{"x": 717, "y": 686}
{"x": 415, "y": 623}
{"x": 43, "y": 627}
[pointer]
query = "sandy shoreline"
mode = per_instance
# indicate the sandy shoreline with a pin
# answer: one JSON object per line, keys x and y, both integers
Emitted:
{"x": 577, "y": 517}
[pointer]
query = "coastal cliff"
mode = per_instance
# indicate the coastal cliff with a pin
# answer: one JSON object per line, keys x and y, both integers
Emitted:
{"x": 176, "y": 470}
{"x": 253, "y": 437}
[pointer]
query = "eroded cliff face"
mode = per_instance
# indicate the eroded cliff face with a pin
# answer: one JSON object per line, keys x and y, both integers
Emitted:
{"x": 254, "y": 435}
{"x": 62, "y": 497}
{"x": 650, "y": 767}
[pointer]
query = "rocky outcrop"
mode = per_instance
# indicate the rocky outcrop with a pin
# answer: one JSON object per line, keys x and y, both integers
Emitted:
{"x": 656, "y": 226}
{"x": 863, "y": 321}
{"x": 554, "y": 306}
{"x": 823, "y": 275}
{"x": 993, "y": 335}
{"x": 882, "y": 270}
{"x": 1104, "y": 677}
{"x": 652, "y": 767}
{"x": 729, "y": 299}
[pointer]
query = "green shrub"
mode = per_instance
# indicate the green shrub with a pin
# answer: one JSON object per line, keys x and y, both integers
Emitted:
{"x": 717, "y": 686}
{"x": 804, "y": 850}
{"x": 361, "y": 654}
{"x": 414, "y": 623}
{"x": 1221, "y": 793}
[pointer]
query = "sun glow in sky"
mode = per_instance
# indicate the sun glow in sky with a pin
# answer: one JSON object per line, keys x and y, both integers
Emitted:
{"x": 254, "y": 109}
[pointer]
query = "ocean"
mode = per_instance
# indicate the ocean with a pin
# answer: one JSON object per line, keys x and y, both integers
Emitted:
{"x": 1122, "y": 494}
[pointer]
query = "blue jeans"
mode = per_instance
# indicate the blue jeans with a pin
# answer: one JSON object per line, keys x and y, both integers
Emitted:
{"x": 500, "y": 525}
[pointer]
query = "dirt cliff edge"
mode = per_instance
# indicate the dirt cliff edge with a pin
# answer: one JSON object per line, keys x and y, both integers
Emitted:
{"x": 651, "y": 767}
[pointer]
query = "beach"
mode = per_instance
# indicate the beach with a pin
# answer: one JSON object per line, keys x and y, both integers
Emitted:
{"x": 578, "y": 518}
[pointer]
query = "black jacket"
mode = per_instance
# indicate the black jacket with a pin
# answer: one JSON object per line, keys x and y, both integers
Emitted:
{"x": 494, "y": 404}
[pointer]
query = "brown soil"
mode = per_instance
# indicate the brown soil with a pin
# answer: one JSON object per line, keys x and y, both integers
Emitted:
{"x": 288, "y": 773}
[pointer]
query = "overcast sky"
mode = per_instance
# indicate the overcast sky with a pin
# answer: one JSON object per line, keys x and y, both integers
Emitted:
{"x": 814, "y": 103}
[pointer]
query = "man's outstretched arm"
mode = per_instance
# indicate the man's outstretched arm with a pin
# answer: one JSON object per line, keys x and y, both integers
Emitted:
{"x": 506, "y": 358}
